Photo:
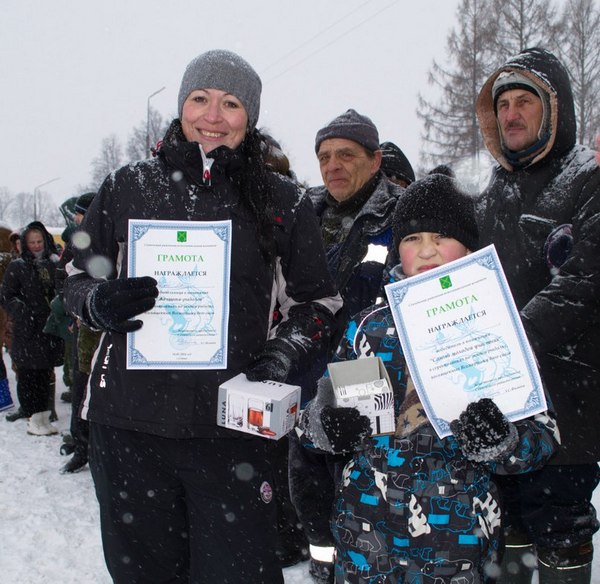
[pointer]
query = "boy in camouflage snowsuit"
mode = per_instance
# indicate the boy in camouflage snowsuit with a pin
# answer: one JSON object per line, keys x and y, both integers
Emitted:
{"x": 411, "y": 507}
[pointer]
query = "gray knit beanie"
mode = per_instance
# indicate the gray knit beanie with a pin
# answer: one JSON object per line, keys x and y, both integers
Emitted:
{"x": 350, "y": 126}
{"x": 224, "y": 70}
{"x": 436, "y": 204}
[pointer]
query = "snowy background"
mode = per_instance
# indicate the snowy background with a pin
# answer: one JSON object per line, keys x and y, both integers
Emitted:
{"x": 49, "y": 526}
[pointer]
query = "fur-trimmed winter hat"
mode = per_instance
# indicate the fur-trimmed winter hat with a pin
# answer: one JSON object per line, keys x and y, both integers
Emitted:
{"x": 83, "y": 202}
{"x": 436, "y": 204}
{"x": 395, "y": 164}
{"x": 227, "y": 71}
{"x": 350, "y": 126}
{"x": 513, "y": 80}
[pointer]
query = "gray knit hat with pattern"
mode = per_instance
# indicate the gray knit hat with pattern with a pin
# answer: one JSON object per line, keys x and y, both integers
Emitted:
{"x": 227, "y": 71}
{"x": 350, "y": 126}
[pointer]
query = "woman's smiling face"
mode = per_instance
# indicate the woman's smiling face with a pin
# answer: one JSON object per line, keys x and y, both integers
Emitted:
{"x": 214, "y": 118}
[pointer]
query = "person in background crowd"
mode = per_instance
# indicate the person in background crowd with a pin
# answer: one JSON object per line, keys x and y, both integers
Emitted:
{"x": 15, "y": 252}
{"x": 355, "y": 207}
{"x": 15, "y": 244}
{"x": 83, "y": 345}
{"x": 6, "y": 401}
{"x": 395, "y": 165}
{"x": 181, "y": 498}
{"x": 67, "y": 209}
{"x": 543, "y": 203}
{"x": 25, "y": 294}
{"x": 412, "y": 507}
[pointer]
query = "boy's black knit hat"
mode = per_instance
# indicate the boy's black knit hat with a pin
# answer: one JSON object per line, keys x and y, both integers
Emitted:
{"x": 436, "y": 204}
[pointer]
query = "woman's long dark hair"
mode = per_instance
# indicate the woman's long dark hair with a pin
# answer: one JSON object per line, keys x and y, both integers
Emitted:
{"x": 257, "y": 192}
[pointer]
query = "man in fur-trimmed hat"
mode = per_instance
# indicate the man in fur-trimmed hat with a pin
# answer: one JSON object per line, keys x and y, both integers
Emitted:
{"x": 542, "y": 212}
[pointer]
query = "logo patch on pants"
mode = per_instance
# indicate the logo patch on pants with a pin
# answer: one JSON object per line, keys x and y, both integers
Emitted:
{"x": 266, "y": 492}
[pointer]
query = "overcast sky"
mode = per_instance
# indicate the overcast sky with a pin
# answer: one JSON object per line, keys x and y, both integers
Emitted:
{"x": 72, "y": 72}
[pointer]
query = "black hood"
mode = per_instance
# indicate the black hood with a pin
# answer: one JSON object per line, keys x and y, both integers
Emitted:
{"x": 49, "y": 244}
{"x": 549, "y": 74}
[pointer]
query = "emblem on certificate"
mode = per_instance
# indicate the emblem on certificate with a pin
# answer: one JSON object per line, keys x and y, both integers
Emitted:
{"x": 191, "y": 261}
{"x": 463, "y": 340}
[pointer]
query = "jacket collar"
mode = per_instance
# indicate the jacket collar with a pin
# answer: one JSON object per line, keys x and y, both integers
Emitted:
{"x": 197, "y": 166}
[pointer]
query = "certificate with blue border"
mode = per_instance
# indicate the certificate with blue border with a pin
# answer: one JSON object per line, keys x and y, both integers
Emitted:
{"x": 463, "y": 340}
{"x": 188, "y": 326}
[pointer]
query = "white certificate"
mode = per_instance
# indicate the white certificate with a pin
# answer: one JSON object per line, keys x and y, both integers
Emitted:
{"x": 190, "y": 260}
{"x": 463, "y": 340}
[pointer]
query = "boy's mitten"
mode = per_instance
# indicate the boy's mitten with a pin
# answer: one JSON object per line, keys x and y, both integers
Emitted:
{"x": 111, "y": 304}
{"x": 345, "y": 428}
{"x": 484, "y": 433}
{"x": 558, "y": 246}
{"x": 273, "y": 363}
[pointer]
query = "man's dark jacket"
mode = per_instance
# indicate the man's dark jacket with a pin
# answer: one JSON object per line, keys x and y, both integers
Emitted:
{"x": 560, "y": 308}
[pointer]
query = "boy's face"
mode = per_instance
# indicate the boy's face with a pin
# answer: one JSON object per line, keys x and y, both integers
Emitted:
{"x": 424, "y": 251}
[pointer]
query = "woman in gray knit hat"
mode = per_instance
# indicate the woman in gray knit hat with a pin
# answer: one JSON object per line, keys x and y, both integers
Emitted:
{"x": 181, "y": 498}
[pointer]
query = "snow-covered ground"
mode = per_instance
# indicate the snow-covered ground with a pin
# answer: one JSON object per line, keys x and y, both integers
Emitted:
{"x": 49, "y": 526}
{"x": 49, "y": 529}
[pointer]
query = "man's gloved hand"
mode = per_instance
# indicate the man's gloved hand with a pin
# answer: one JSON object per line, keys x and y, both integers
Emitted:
{"x": 484, "y": 433}
{"x": 113, "y": 303}
{"x": 558, "y": 246}
{"x": 273, "y": 364}
{"x": 345, "y": 428}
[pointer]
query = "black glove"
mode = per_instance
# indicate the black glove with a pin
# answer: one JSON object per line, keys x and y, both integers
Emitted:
{"x": 558, "y": 246}
{"x": 273, "y": 364}
{"x": 484, "y": 433}
{"x": 112, "y": 303}
{"x": 345, "y": 428}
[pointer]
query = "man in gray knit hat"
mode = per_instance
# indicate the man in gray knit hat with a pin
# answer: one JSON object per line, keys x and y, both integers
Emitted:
{"x": 355, "y": 206}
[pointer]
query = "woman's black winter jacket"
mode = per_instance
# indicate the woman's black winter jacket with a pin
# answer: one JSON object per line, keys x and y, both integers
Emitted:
{"x": 183, "y": 403}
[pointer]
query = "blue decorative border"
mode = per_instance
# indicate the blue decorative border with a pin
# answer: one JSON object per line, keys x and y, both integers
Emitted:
{"x": 223, "y": 230}
{"x": 487, "y": 258}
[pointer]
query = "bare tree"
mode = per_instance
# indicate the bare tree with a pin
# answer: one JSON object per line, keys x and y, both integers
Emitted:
{"x": 22, "y": 209}
{"x": 109, "y": 159}
{"x": 450, "y": 130}
{"x": 524, "y": 24}
{"x": 6, "y": 201}
{"x": 48, "y": 212}
{"x": 579, "y": 50}
{"x": 136, "y": 145}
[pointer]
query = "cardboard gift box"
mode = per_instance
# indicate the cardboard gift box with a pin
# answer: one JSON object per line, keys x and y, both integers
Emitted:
{"x": 264, "y": 408}
{"x": 364, "y": 384}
